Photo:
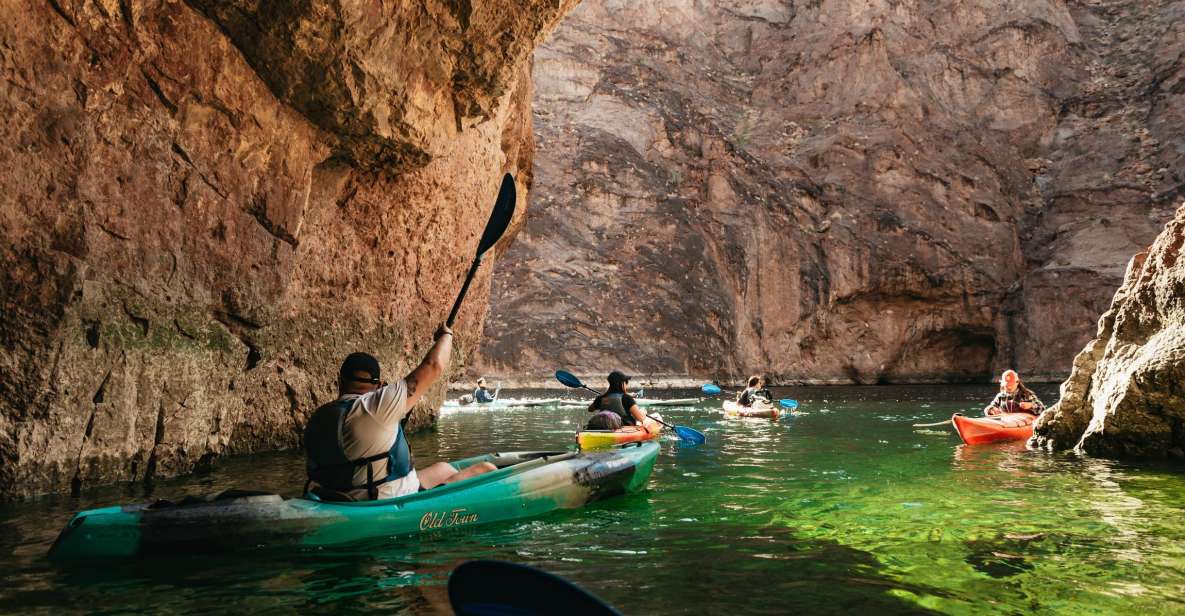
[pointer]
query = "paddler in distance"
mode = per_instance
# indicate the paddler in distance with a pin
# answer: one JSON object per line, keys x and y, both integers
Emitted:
{"x": 615, "y": 408}
{"x": 356, "y": 448}
{"x": 482, "y": 394}
{"x": 1014, "y": 397}
{"x": 755, "y": 392}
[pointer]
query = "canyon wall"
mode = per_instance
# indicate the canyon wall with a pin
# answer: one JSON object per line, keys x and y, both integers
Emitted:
{"x": 839, "y": 190}
{"x": 206, "y": 204}
{"x": 1126, "y": 394}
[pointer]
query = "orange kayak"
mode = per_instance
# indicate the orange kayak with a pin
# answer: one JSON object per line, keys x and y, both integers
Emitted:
{"x": 603, "y": 439}
{"x": 1006, "y": 427}
{"x": 764, "y": 411}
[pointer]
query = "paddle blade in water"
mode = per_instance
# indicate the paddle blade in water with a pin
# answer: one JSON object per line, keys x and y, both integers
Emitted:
{"x": 567, "y": 378}
{"x": 711, "y": 390}
{"x": 500, "y": 217}
{"x": 690, "y": 435}
{"x": 788, "y": 404}
{"x": 493, "y": 588}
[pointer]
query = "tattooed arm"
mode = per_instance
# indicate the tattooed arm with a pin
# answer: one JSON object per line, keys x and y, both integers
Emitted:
{"x": 431, "y": 368}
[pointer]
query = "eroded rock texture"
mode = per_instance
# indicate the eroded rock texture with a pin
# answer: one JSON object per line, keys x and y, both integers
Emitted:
{"x": 839, "y": 190}
{"x": 1126, "y": 394}
{"x": 205, "y": 205}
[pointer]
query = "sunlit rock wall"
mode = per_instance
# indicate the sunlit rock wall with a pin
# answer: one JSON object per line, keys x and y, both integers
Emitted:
{"x": 1126, "y": 394}
{"x": 205, "y": 205}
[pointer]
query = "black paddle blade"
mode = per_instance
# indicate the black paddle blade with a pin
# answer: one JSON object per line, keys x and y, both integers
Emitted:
{"x": 500, "y": 217}
{"x": 567, "y": 378}
{"x": 493, "y": 588}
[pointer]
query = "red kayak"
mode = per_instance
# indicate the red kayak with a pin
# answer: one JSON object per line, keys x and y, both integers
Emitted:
{"x": 1006, "y": 427}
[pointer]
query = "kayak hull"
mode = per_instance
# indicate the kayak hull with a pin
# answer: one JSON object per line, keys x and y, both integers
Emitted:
{"x": 762, "y": 411}
{"x": 526, "y": 484}
{"x": 1006, "y": 427}
{"x": 590, "y": 440}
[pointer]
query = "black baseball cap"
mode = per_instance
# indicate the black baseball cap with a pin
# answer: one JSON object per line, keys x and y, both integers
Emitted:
{"x": 359, "y": 362}
{"x": 618, "y": 376}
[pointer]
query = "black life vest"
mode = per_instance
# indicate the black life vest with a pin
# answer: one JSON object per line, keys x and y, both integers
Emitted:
{"x": 327, "y": 462}
{"x": 615, "y": 402}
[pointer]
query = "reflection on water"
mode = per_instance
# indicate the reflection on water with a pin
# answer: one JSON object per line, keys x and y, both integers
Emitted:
{"x": 843, "y": 507}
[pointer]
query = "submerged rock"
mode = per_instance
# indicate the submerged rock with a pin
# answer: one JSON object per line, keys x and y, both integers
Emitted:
{"x": 1126, "y": 394}
{"x": 206, "y": 205}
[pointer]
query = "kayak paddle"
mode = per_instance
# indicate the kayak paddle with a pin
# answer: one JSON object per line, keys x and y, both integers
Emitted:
{"x": 932, "y": 425}
{"x": 495, "y": 588}
{"x": 690, "y": 435}
{"x": 499, "y": 220}
{"x": 712, "y": 389}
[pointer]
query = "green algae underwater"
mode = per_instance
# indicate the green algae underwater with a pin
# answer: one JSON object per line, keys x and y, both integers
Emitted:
{"x": 843, "y": 507}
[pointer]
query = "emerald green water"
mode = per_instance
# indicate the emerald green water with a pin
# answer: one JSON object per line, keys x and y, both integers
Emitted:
{"x": 844, "y": 507}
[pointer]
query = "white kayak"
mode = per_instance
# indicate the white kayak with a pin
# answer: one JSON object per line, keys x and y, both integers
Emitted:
{"x": 675, "y": 402}
{"x": 762, "y": 410}
{"x": 502, "y": 403}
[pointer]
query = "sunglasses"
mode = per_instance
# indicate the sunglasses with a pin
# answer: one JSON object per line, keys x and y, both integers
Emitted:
{"x": 378, "y": 382}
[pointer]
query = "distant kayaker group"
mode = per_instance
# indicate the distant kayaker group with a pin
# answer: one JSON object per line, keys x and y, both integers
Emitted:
{"x": 357, "y": 448}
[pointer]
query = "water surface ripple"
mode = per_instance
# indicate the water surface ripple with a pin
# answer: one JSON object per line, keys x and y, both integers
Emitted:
{"x": 843, "y": 507}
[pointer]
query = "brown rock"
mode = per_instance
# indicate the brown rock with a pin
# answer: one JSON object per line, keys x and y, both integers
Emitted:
{"x": 203, "y": 212}
{"x": 1126, "y": 394}
{"x": 838, "y": 191}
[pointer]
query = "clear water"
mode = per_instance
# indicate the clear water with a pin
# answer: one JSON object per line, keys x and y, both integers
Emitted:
{"x": 844, "y": 507}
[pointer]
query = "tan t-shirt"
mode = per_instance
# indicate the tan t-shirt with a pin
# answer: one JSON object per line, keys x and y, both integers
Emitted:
{"x": 369, "y": 429}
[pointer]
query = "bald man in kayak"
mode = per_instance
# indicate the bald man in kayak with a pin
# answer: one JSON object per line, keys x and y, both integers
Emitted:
{"x": 1014, "y": 397}
{"x": 356, "y": 447}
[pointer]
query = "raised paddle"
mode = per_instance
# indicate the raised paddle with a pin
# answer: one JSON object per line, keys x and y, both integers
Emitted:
{"x": 712, "y": 389}
{"x": 689, "y": 435}
{"x": 499, "y": 220}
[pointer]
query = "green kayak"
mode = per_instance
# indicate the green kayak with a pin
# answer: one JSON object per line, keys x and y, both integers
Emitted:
{"x": 525, "y": 484}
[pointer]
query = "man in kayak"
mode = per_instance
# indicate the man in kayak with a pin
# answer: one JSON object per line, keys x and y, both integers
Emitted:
{"x": 482, "y": 394}
{"x": 615, "y": 408}
{"x": 1014, "y": 397}
{"x": 356, "y": 448}
{"x": 754, "y": 392}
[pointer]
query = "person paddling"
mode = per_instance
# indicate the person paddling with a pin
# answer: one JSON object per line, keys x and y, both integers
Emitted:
{"x": 356, "y": 447}
{"x": 482, "y": 394}
{"x": 1014, "y": 397}
{"x": 615, "y": 408}
{"x": 754, "y": 392}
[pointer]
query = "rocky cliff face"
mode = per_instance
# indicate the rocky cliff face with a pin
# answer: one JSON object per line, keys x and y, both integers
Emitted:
{"x": 1126, "y": 394}
{"x": 205, "y": 205}
{"x": 843, "y": 191}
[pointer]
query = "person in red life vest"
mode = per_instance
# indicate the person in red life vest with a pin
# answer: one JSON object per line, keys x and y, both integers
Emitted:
{"x": 1014, "y": 397}
{"x": 356, "y": 448}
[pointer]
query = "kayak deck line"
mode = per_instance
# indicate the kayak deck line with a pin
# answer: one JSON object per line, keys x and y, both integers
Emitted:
{"x": 527, "y": 484}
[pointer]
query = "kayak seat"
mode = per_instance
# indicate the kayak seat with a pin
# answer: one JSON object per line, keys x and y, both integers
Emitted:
{"x": 224, "y": 495}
